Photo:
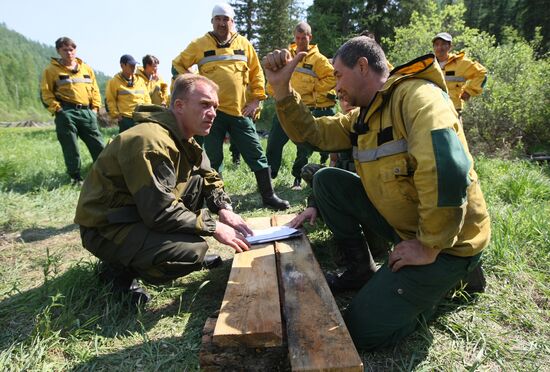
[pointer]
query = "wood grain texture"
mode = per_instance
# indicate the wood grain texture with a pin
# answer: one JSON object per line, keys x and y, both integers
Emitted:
{"x": 317, "y": 337}
{"x": 250, "y": 314}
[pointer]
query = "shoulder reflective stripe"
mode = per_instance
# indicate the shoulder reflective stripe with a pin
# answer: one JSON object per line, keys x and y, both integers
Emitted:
{"x": 236, "y": 57}
{"x": 134, "y": 92}
{"x": 454, "y": 78}
{"x": 387, "y": 149}
{"x": 306, "y": 71}
{"x": 74, "y": 80}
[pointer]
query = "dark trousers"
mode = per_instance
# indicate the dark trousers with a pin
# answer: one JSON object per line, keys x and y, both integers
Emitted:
{"x": 277, "y": 140}
{"x": 154, "y": 256}
{"x": 391, "y": 304}
{"x": 243, "y": 136}
{"x": 125, "y": 124}
{"x": 71, "y": 123}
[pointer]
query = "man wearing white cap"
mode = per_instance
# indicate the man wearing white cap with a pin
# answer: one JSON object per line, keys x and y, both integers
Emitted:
{"x": 464, "y": 77}
{"x": 230, "y": 60}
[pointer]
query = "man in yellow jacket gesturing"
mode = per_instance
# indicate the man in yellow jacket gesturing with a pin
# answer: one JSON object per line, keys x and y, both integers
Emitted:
{"x": 464, "y": 77}
{"x": 229, "y": 59}
{"x": 314, "y": 80}
{"x": 415, "y": 185}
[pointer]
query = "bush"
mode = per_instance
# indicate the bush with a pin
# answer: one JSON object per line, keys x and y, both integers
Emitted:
{"x": 513, "y": 109}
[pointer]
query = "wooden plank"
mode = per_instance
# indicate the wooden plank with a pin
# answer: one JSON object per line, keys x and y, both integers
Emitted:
{"x": 250, "y": 314}
{"x": 214, "y": 358}
{"x": 317, "y": 337}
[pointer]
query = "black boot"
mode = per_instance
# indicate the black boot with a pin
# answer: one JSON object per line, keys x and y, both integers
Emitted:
{"x": 269, "y": 198}
{"x": 123, "y": 281}
{"x": 475, "y": 281}
{"x": 360, "y": 267}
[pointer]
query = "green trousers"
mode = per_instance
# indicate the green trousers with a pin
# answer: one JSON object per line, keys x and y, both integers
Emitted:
{"x": 243, "y": 137}
{"x": 125, "y": 124}
{"x": 71, "y": 123}
{"x": 392, "y": 304}
{"x": 154, "y": 256}
{"x": 277, "y": 140}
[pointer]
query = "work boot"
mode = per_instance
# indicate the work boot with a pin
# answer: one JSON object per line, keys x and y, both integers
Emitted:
{"x": 360, "y": 267}
{"x": 211, "y": 261}
{"x": 77, "y": 180}
{"x": 269, "y": 198}
{"x": 475, "y": 281}
{"x": 123, "y": 281}
{"x": 297, "y": 185}
{"x": 236, "y": 158}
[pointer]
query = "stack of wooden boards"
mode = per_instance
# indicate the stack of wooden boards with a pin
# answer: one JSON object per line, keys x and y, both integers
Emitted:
{"x": 278, "y": 313}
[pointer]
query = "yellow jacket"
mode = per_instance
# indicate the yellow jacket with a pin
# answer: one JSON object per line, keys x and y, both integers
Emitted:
{"x": 313, "y": 79}
{"x": 61, "y": 84}
{"x": 463, "y": 75}
{"x": 158, "y": 89}
{"x": 411, "y": 154}
{"x": 235, "y": 68}
{"x": 122, "y": 98}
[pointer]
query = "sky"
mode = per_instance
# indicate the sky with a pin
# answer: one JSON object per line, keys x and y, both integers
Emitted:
{"x": 104, "y": 30}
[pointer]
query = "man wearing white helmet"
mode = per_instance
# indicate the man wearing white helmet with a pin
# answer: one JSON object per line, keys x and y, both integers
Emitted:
{"x": 464, "y": 77}
{"x": 230, "y": 60}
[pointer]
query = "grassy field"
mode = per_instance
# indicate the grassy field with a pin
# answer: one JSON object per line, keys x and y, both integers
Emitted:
{"x": 55, "y": 315}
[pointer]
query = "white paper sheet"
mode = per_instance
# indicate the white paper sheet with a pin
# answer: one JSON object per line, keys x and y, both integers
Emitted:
{"x": 273, "y": 233}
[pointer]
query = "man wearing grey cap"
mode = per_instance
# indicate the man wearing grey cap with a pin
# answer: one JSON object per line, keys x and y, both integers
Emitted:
{"x": 230, "y": 60}
{"x": 464, "y": 77}
{"x": 125, "y": 91}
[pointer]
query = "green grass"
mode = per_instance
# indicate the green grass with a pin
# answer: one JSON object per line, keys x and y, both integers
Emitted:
{"x": 55, "y": 315}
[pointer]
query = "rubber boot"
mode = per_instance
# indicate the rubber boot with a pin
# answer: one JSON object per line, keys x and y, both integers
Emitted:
{"x": 360, "y": 267}
{"x": 123, "y": 281}
{"x": 269, "y": 198}
{"x": 475, "y": 281}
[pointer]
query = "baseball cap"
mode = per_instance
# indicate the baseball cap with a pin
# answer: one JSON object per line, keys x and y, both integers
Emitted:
{"x": 128, "y": 59}
{"x": 443, "y": 36}
{"x": 223, "y": 9}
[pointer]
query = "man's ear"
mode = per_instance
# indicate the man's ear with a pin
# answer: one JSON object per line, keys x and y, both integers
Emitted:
{"x": 363, "y": 63}
{"x": 179, "y": 105}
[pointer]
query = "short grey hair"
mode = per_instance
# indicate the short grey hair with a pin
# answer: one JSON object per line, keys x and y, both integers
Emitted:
{"x": 303, "y": 27}
{"x": 185, "y": 85}
{"x": 363, "y": 46}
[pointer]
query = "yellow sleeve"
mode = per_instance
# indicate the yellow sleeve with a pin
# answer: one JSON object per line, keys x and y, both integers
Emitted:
{"x": 437, "y": 147}
{"x": 476, "y": 76}
{"x": 96, "y": 95}
{"x": 325, "y": 73}
{"x": 256, "y": 75}
{"x": 47, "y": 91}
{"x": 183, "y": 62}
{"x": 110, "y": 97}
{"x": 327, "y": 133}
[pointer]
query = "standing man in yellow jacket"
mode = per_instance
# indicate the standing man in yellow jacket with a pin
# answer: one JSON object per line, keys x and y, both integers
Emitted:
{"x": 314, "y": 80}
{"x": 158, "y": 89}
{"x": 415, "y": 185}
{"x": 125, "y": 92}
{"x": 464, "y": 78}
{"x": 69, "y": 91}
{"x": 230, "y": 60}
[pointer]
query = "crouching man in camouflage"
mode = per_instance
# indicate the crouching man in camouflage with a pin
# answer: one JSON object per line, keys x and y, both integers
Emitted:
{"x": 140, "y": 209}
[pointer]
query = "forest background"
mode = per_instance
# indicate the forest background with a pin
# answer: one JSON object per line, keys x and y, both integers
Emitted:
{"x": 511, "y": 38}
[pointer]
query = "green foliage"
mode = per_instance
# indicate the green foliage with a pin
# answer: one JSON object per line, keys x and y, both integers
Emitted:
{"x": 21, "y": 64}
{"x": 333, "y": 22}
{"x": 514, "y": 105}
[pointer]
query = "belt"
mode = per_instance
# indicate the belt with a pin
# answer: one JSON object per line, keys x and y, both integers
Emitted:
{"x": 311, "y": 108}
{"x": 77, "y": 106}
